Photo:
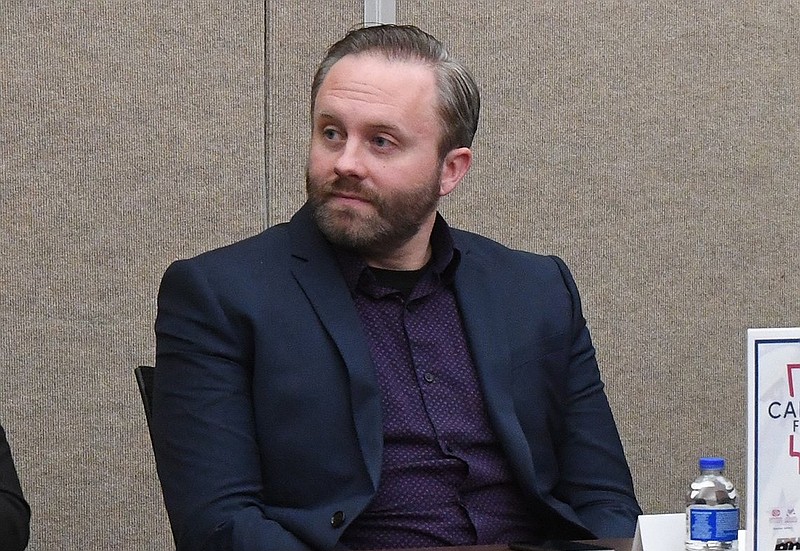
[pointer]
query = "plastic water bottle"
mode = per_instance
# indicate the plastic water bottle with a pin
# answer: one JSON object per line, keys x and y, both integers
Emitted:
{"x": 712, "y": 510}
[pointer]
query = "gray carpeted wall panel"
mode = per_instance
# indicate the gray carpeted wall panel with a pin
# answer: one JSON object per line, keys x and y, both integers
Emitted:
{"x": 130, "y": 134}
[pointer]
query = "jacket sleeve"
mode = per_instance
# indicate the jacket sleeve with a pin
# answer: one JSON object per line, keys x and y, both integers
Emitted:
{"x": 594, "y": 476}
{"x": 202, "y": 421}
{"x": 15, "y": 514}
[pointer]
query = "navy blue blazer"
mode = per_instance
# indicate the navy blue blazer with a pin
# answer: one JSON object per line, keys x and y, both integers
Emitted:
{"x": 267, "y": 413}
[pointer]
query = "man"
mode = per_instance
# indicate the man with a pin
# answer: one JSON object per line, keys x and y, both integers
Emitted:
{"x": 15, "y": 515}
{"x": 365, "y": 377}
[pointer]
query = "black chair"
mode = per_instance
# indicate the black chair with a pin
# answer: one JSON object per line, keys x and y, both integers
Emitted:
{"x": 144, "y": 379}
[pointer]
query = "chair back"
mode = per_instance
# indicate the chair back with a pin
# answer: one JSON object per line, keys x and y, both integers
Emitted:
{"x": 144, "y": 379}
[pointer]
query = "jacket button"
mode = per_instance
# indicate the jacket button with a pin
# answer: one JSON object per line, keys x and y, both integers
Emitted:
{"x": 337, "y": 519}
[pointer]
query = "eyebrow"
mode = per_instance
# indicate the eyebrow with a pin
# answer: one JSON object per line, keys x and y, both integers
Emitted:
{"x": 379, "y": 126}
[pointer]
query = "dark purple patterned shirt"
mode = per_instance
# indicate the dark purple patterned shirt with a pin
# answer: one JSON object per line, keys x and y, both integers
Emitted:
{"x": 444, "y": 479}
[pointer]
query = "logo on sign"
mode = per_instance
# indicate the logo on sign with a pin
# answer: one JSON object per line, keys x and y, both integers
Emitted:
{"x": 789, "y": 410}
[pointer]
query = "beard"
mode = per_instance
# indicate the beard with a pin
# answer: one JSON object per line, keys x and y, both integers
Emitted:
{"x": 396, "y": 216}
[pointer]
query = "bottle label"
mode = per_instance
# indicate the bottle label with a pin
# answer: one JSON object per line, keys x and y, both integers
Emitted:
{"x": 713, "y": 523}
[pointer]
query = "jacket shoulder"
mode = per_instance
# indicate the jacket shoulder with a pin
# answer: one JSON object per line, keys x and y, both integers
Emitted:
{"x": 269, "y": 242}
{"x": 485, "y": 249}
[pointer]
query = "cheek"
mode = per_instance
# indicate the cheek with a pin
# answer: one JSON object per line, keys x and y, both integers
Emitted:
{"x": 319, "y": 160}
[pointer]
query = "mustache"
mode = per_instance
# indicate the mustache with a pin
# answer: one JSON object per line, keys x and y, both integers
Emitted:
{"x": 349, "y": 188}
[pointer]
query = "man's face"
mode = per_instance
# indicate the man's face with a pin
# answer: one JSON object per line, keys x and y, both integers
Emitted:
{"x": 373, "y": 174}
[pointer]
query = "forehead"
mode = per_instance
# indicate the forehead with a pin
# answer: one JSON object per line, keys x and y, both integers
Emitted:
{"x": 372, "y": 82}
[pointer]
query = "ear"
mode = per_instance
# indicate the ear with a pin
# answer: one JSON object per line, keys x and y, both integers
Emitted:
{"x": 454, "y": 167}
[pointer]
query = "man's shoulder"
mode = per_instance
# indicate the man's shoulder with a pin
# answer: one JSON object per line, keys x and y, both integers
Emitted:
{"x": 269, "y": 242}
{"x": 482, "y": 246}
{"x": 239, "y": 263}
{"x": 274, "y": 244}
{"x": 507, "y": 265}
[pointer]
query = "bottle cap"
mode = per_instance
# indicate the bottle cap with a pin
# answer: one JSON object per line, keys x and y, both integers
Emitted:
{"x": 711, "y": 463}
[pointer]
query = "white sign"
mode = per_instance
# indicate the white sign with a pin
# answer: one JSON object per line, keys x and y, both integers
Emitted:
{"x": 773, "y": 439}
{"x": 666, "y": 532}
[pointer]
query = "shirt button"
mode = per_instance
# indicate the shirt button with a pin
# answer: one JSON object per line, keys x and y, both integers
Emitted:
{"x": 429, "y": 378}
{"x": 337, "y": 520}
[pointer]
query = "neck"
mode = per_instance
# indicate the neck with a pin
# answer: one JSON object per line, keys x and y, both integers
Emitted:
{"x": 409, "y": 261}
{"x": 411, "y": 255}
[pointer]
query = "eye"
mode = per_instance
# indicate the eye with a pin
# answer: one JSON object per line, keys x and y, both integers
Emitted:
{"x": 330, "y": 133}
{"x": 382, "y": 142}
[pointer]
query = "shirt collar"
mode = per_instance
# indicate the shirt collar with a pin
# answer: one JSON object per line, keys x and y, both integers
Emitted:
{"x": 445, "y": 258}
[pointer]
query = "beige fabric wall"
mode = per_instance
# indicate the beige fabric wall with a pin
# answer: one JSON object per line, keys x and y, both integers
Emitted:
{"x": 654, "y": 145}
{"x": 131, "y": 133}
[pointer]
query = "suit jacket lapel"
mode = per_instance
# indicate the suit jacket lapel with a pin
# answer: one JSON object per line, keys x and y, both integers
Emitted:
{"x": 316, "y": 271}
{"x": 481, "y": 310}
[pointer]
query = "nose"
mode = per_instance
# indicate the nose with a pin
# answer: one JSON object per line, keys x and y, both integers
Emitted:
{"x": 350, "y": 163}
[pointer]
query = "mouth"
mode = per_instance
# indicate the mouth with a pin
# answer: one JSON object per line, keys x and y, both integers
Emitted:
{"x": 345, "y": 198}
{"x": 345, "y": 195}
